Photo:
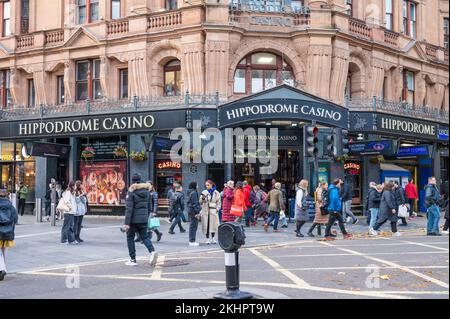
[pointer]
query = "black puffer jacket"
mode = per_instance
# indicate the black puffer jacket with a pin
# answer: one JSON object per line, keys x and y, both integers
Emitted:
{"x": 193, "y": 203}
{"x": 400, "y": 196}
{"x": 154, "y": 202}
{"x": 387, "y": 204}
{"x": 8, "y": 219}
{"x": 137, "y": 204}
{"x": 374, "y": 198}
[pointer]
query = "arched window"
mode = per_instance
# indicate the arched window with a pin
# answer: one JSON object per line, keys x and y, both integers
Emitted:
{"x": 261, "y": 71}
{"x": 172, "y": 78}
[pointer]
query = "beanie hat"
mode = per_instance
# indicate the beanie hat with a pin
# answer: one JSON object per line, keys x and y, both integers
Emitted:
{"x": 136, "y": 178}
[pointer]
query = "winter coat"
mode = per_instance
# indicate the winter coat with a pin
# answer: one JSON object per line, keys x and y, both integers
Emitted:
{"x": 411, "y": 191}
{"x": 8, "y": 211}
{"x": 335, "y": 201}
{"x": 170, "y": 194}
{"x": 387, "y": 204}
{"x": 227, "y": 201}
{"x": 70, "y": 200}
{"x": 374, "y": 198}
{"x": 81, "y": 205}
{"x": 210, "y": 211}
{"x": 319, "y": 218}
{"x": 301, "y": 206}
{"x": 23, "y": 192}
{"x": 261, "y": 206}
{"x": 400, "y": 196}
{"x": 432, "y": 196}
{"x": 238, "y": 199}
{"x": 275, "y": 200}
{"x": 346, "y": 193}
{"x": 247, "y": 195}
{"x": 137, "y": 204}
{"x": 193, "y": 203}
{"x": 153, "y": 202}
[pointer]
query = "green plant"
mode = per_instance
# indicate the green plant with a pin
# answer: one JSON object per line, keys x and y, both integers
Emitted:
{"x": 120, "y": 151}
{"x": 138, "y": 156}
{"x": 88, "y": 153}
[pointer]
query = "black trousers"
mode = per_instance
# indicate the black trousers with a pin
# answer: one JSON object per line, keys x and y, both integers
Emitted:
{"x": 22, "y": 206}
{"x": 319, "y": 229}
{"x": 78, "y": 221}
{"x": 333, "y": 218}
{"x": 382, "y": 221}
{"x": 299, "y": 225}
{"x": 446, "y": 224}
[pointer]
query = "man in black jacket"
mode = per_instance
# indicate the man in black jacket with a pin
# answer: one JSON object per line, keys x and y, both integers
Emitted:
{"x": 400, "y": 198}
{"x": 178, "y": 209}
{"x": 136, "y": 219}
{"x": 347, "y": 198}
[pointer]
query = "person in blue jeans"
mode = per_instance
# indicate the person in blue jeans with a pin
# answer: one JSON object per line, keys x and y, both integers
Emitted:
{"x": 373, "y": 203}
{"x": 432, "y": 199}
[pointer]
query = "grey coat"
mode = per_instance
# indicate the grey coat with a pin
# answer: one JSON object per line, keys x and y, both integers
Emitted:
{"x": 387, "y": 204}
{"x": 301, "y": 214}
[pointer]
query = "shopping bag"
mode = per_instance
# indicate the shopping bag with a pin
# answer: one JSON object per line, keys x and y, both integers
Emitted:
{"x": 282, "y": 214}
{"x": 403, "y": 211}
{"x": 154, "y": 223}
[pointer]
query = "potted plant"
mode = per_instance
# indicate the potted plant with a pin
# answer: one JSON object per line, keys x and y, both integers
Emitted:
{"x": 138, "y": 156}
{"x": 342, "y": 158}
{"x": 88, "y": 153}
{"x": 120, "y": 152}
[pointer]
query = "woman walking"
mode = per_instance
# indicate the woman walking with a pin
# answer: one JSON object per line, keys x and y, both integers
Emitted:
{"x": 260, "y": 203}
{"x": 301, "y": 207}
{"x": 68, "y": 205}
{"x": 193, "y": 210}
{"x": 81, "y": 210}
{"x": 154, "y": 209}
{"x": 210, "y": 201}
{"x": 227, "y": 202}
{"x": 239, "y": 201}
{"x": 321, "y": 217}
{"x": 373, "y": 203}
{"x": 388, "y": 210}
{"x": 8, "y": 222}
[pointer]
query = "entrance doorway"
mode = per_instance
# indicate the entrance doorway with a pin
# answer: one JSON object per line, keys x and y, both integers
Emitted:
{"x": 6, "y": 176}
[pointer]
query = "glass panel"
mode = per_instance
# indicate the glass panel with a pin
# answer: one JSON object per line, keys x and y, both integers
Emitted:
{"x": 412, "y": 11}
{"x": 389, "y": 21}
{"x": 115, "y": 13}
{"x": 410, "y": 97}
{"x": 82, "y": 71}
{"x": 82, "y": 12}
{"x": 96, "y": 69}
{"x": 31, "y": 93}
{"x": 98, "y": 94}
{"x": 405, "y": 9}
{"x": 123, "y": 84}
{"x": 61, "y": 96}
{"x": 25, "y": 172}
{"x": 388, "y": 6}
{"x": 169, "y": 84}
{"x": 94, "y": 10}
{"x": 288, "y": 78}
{"x": 173, "y": 63}
{"x": 264, "y": 58}
{"x": 257, "y": 81}
{"x": 243, "y": 61}
{"x": 239, "y": 81}
{"x": 6, "y": 151}
{"x": 178, "y": 82}
{"x": 270, "y": 79}
{"x": 410, "y": 81}
{"x": 7, "y": 10}
{"x": 82, "y": 91}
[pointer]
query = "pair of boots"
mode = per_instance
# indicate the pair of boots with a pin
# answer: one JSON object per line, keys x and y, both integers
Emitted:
{"x": 319, "y": 230}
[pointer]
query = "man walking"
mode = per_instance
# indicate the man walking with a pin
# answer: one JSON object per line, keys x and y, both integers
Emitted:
{"x": 432, "y": 198}
{"x": 276, "y": 205}
{"x": 177, "y": 209}
{"x": 23, "y": 194}
{"x": 347, "y": 198}
{"x": 136, "y": 219}
{"x": 335, "y": 208}
{"x": 412, "y": 195}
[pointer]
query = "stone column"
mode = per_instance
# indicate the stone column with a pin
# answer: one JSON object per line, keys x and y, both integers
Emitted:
{"x": 69, "y": 81}
{"x": 193, "y": 64}
{"x": 138, "y": 75}
{"x": 339, "y": 74}
{"x": 318, "y": 70}
{"x": 377, "y": 80}
{"x": 217, "y": 61}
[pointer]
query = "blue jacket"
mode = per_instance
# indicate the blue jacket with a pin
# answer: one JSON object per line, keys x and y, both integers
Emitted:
{"x": 335, "y": 200}
{"x": 8, "y": 219}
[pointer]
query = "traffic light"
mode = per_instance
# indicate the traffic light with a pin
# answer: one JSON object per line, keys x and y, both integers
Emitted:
{"x": 312, "y": 141}
{"x": 330, "y": 144}
{"x": 341, "y": 142}
{"x": 345, "y": 142}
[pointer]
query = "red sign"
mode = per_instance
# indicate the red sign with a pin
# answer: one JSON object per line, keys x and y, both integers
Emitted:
{"x": 168, "y": 165}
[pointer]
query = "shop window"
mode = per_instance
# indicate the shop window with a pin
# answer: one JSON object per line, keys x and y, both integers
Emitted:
{"x": 88, "y": 84}
{"x": 408, "y": 87}
{"x": 171, "y": 4}
{"x": 123, "y": 75}
{"x": 5, "y": 12}
{"x": 5, "y": 88}
{"x": 60, "y": 90}
{"x": 446, "y": 32}
{"x": 31, "y": 93}
{"x": 389, "y": 15}
{"x": 116, "y": 9}
{"x": 172, "y": 78}
{"x": 25, "y": 16}
{"x": 409, "y": 18}
{"x": 261, "y": 71}
{"x": 87, "y": 11}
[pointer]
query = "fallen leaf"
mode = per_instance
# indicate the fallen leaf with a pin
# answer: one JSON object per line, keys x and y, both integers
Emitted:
{"x": 342, "y": 273}
{"x": 385, "y": 277}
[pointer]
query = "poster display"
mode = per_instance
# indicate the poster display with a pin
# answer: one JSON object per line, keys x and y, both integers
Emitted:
{"x": 104, "y": 182}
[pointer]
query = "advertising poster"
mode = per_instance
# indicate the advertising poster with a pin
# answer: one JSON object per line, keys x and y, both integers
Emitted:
{"x": 104, "y": 182}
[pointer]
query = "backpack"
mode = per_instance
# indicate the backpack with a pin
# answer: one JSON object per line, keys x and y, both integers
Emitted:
{"x": 264, "y": 196}
{"x": 252, "y": 197}
{"x": 5, "y": 215}
{"x": 305, "y": 205}
{"x": 325, "y": 202}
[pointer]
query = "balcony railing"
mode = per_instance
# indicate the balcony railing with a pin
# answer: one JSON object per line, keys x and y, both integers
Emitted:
{"x": 399, "y": 108}
{"x": 118, "y": 27}
{"x": 391, "y": 38}
{"x": 25, "y": 42}
{"x": 165, "y": 20}
{"x": 54, "y": 37}
{"x": 431, "y": 51}
{"x": 360, "y": 28}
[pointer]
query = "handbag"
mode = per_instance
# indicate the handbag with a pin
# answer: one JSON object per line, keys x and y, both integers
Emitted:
{"x": 154, "y": 223}
{"x": 237, "y": 211}
{"x": 63, "y": 206}
{"x": 403, "y": 211}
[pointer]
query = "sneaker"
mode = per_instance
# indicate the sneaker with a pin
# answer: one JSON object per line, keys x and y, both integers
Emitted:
{"x": 284, "y": 226}
{"x": 131, "y": 263}
{"x": 355, "y": 221}
{"x": 348, "y": 220}
{"x": 183, "y": 231}
{"x": 208, "y": 241}
{"x": 311, "y": 235}
{"x": 213, "y": 241}
{"x": 2, "y": 275}
{"x": 171, "y": 232}
{"x": 194, "y": 244}
{"x": 64, "y": 243}
{"x": 328, "y": 238}
{"x": 397, "y": 234}
{"x": 73, "y": 243}
{"x": 80, "y": 240}
{"x": 373, "y": 232}
{"x": 153, "y": 258}
{"x": 434, "y": 234}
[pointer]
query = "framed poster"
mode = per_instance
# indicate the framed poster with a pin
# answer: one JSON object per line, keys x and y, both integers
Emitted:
{"x": 105, "y": 182}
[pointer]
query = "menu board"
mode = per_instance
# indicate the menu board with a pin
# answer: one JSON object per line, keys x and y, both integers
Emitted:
{"x": 104, "y": 182}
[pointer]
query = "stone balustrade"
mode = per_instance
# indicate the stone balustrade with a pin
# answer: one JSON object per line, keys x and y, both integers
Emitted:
{"x": 118, "y": 27}
{"x": 165, "y": 20}
{"x": 360, "y": 28}
{"x": 54, "y": 37}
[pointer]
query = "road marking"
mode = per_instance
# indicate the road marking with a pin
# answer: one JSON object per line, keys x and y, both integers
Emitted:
{"x": 373, "y": 254}
{"x": 59, "y": 232}
{"x": 157, "y": 272}
{"x": 425, "y": 245}
{"x": 386, "y": 262}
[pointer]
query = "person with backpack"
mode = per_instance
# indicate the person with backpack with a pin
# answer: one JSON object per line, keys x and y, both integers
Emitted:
{"x": 249, "y": 199}
{"x": 210, "y": 202}
{"x": 68, "y": 206}
{"x": 301, "y": 207}
{"x": 177, "y": 209}
{"x": 8, "y": 222}
{"x": 276, "y": 205}
{"x": 238, "y": 206}
{"x": 432, "y": 199}
{"x": 335, "y": 209}
{"x": 260, "y": 203}
{"x": 373, "y": 203}
{"x": 193, "y": 210}
{"x": 227, "y": 202}
{"x": 322, "y": 202}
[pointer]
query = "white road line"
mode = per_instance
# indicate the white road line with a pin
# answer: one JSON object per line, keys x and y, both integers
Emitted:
{"x": 373, "y": 254}
{"x": 157, "y": 272}
{"x": 426, "y": 245}
{"x": 59, "y": 232}
{"x": 386, "y": 262}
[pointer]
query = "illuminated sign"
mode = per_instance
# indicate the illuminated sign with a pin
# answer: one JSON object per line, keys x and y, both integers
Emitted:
{"x": 352, "y": 166}
{"x": 168, "y": 165}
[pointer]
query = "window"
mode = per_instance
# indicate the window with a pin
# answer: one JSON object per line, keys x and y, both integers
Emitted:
{"x": 408, "y": 87}
{"x": 123, "y": 75}
{"x": 88, "y": 85}
{"x": 60, "y": 90}
{"x": 31, "y": 93}
{"x": 348, "y": 86}
{"x": 446, "y": 29}
{"x": 350, "y": 6}
{"x": 409, "y": 18}
{"x": 5, "y": 15}
{"x": 261, "y": 71}
{"x": 5, "y": 86}
{"x": 171, "y": 4}
{"x": 389, "y": 15}
{"x": 88, "y": 11}
{"x": 172, "y": 78}
{"x": 25, "y": 16}
{"x": 384, "y": 89}
{"x": 115, "y": 9}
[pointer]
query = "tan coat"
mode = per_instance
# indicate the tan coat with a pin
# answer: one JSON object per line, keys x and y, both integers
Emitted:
{"x": 319, "y": 218}
{"x": 210, "y": 211}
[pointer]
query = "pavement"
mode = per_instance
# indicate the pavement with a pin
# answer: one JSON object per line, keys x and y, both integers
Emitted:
{"x": 273, "y": 265}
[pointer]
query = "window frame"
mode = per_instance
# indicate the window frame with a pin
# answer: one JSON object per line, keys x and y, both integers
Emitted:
{"x": 112, "y": 9}
{"x": 407, "y": 21}
{"x": 5, "y": 88}
{"x": 171, "y": 5}
{"x": 5, "y": 20}
{"x": 92, "y": 80}
{"x": 389, "y": 16}
{"x": 122, "y": 94}
{"x": 88, "y": 5}
{"x": 60, "y": 90}
{"x": 31, "y": 93}
{"x": 406, "y": 89}
{"x": 175, "y": 69}
{"x": 446, "y": 32}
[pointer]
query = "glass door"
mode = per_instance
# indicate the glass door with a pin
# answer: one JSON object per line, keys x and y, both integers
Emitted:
{"x": 6, "y": 177}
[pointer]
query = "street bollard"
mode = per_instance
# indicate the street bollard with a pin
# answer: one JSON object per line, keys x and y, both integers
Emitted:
{"x": 231, "y": 238}
{"x": 53, "y": 214}
{"x": 38, "y": 209}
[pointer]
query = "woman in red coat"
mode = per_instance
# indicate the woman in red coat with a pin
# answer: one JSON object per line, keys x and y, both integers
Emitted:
{"x": 411, "y": 194}
{"x": 239, "y": 199}
{"x": 228, "y": 196}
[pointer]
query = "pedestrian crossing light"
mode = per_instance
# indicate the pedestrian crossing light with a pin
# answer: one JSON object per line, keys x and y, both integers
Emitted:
{"x": 312, "y": 141}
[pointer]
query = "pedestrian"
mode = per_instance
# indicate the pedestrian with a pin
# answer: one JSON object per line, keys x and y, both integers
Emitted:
{"x": 227, "y": 202}
{"x": 68, "y": 206}
{"x": 335, "y": 210}
{"x": 373, "y": 203}
{"x": 82, "y": 201}
{"x": 400, "y": 198}
{"x": 321, "y": 217}
{"x": 301, "y": 207}
{"x": 51, "y": 196}
{"x": 283, "y": 218}
{"x": 412, "y": 196}
{"x": 276, "y": 205}
{"x": 137, "y": 211}
{"x": 193, "y": 210}
{"x": 260, "y": 203}
{"x": 58, "y": 196}
{"x": 347, "y": 199}
{"x": 23, "y": 194}
{"x": 177, "y": 207}
{"x": 154, "y": 209}
{"x": 8, "y": 222}
{"x": 170, "y": 193}
{"x": 432, "y": 198}
{"x": 210, "y": 202}
{"x": 388, "y": 210}
{"x": 238, "y": 207}
{"x": 249, "y": 198}
{"x": 445, "y": 206}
